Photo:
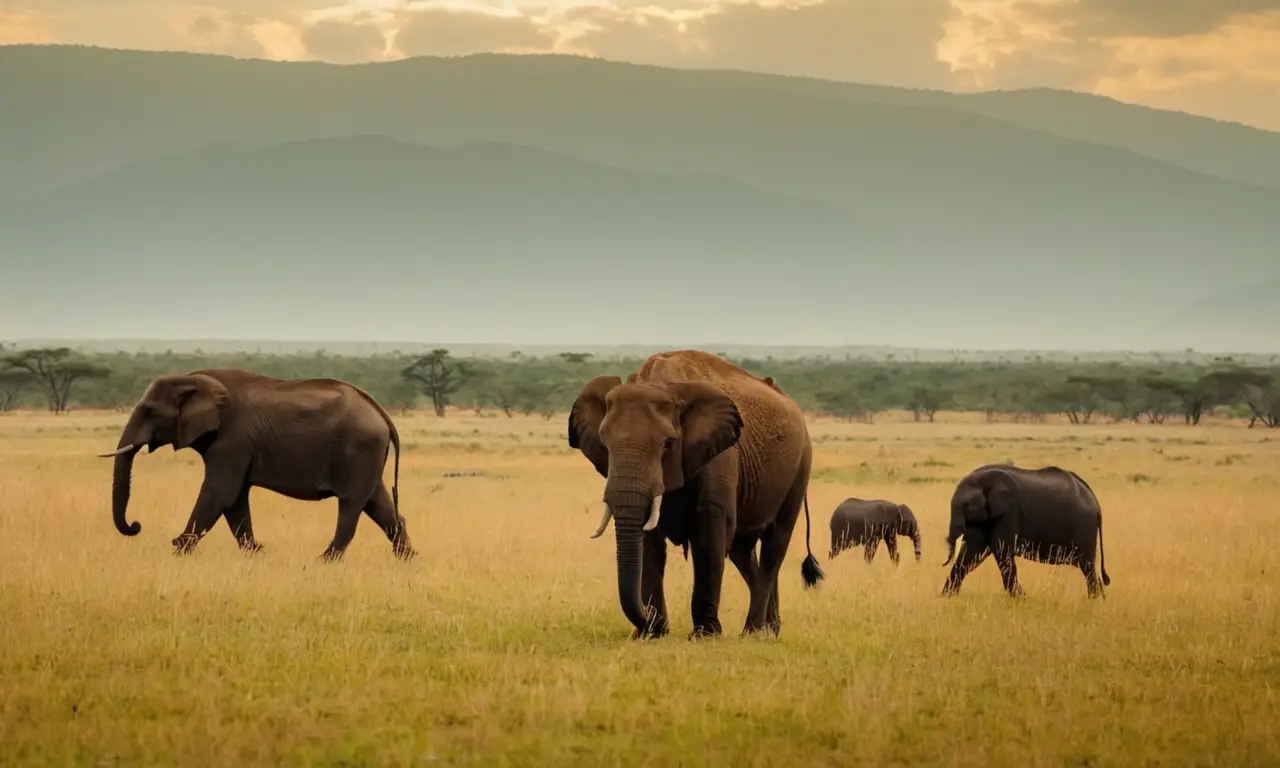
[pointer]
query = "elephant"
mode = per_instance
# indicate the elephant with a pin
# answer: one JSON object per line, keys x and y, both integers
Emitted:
{"x": 1047, "y": 515}
{"x": 308, "y": 439}
{"x": 865, "y": 521}
{"x": 698, "y": 452}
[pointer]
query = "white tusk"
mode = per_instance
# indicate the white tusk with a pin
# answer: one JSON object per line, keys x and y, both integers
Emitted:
{"x": 604, "y": 522}
{"x": 652, "y": 522}
{"x": 116, "y": 452}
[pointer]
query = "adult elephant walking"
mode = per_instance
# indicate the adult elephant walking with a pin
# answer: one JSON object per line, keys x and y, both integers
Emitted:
{"x": 1047, "y": 515}
{"x": 309, "y": 439}
{"x": 699, "y": 452}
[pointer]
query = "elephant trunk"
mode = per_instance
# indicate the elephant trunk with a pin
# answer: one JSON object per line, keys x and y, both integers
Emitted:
{"x": 131, "y": 441}
{"x": 627, "y": 530}
{"x": 120, "y": 483}
{"x": 915, "y": 540}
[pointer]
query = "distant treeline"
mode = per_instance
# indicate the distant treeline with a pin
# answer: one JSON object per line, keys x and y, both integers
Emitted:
{"x": 1025, "y": 390}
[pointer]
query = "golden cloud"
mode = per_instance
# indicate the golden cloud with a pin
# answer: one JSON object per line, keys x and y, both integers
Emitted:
{"x": 1147, "y": 51}
{"x": 24, "y": 27}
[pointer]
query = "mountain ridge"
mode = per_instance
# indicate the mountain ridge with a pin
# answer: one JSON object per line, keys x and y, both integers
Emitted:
{"x": 970, "y": 220}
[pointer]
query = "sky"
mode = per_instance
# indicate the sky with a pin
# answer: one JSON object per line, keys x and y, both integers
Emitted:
{"x": 1219, "y": 58}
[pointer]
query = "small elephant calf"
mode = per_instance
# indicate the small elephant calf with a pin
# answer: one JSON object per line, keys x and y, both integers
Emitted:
{"x": 866, "y": 521}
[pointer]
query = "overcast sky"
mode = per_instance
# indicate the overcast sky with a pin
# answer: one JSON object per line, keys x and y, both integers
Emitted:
{"x": 1214, "y": 57}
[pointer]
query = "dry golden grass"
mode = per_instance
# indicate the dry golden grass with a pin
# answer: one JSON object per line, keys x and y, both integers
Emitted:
{"x": 503, "y": 644}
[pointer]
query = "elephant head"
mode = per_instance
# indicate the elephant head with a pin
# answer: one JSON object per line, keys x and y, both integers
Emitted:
{"x": 175, "y": 410}
{"x": 909, "y": 526}
{"x": 980, "y": 499}
{"x": 647, "y": 439}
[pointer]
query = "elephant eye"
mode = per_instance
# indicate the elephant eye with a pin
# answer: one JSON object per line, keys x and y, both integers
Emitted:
{"x": 667, "y": 442}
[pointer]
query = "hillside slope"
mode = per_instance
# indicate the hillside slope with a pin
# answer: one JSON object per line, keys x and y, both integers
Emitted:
{"x": 316, "y": 238}
{"x": 895, "y": 222}
{"x": 1248, "y": 316}
{"x": 975, "y": 187}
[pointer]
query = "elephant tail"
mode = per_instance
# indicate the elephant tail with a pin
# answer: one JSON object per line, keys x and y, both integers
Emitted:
{"x": 395, "y": 472}
{"x": 810, "y": 571}
{"x": 1102, "y": 554}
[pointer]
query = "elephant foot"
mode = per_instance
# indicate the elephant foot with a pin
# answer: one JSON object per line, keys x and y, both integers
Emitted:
{"x": 1015, "y": 593}
{"x": 656, "y": 627}
{"x": 250, "y": 547}
{"x": 184, "y": 543}
{"x": 769, "y": 628}
{"x": 331, "y": 555}
{"x": 404, "y": 552}
{"x": 652, "y": 632}
{"x": 702, "y": 632}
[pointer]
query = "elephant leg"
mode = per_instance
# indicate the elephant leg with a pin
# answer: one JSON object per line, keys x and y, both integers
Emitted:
{"x": 891, "y": 544}
{"x": 742, "y": 554}
{"x": 1089, "y": 567}
{"x": 1005, "y": 552}
{"x": 222, "y": 486}
{"x": 972, "y": 553}
{"x": 708, "y": 547}
{"x": 382, "y": 510}
{"x": 773, "y": 550}
{"x": 348, "y": 517}
{"x": 870, "y": 546}
{"x": 652, "y": 571}
{"x": 241, "y": 524}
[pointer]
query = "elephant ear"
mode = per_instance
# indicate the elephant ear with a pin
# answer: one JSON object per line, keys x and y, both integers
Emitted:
{"x": 584, "y": 421}
{"x": 200, "y": 400}
{"x": 709, "y": 425}
{"x": 1001, "y": 497}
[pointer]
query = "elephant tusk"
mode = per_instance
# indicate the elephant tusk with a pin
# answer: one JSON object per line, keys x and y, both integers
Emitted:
{"x": 652, "y": 522}
{"x": 116, "y": 452}
{"x": 604, "y": 522}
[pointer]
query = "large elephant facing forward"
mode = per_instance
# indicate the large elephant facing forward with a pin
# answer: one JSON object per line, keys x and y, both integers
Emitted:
{"x": 1047, "y": 515}
{"x": 699, "y": 452}
{"x": 309, "y": 439}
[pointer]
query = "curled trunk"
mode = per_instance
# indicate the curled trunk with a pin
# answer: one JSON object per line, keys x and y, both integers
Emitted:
{"x": 120, "y": 484}
{"x": 914, "y": 532}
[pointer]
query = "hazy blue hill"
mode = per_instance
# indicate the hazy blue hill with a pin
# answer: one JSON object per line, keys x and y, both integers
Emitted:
{"x": 326, "y": 234}
{"x": 1248, "y": 315}
{"x": 966, "y": 227}
{"x": 974, "y": 186}
{"x": 1229, "y": 150}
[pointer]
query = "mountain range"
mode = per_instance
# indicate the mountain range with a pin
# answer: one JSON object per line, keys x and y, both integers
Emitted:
{"x": 560, "y": 198}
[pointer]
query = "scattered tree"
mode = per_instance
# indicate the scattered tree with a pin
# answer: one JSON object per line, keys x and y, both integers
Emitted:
{"x": 54, "y": 372}
{"x": 438, "y": 376}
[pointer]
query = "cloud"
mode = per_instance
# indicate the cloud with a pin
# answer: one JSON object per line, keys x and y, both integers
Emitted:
{"x": 24, "y": 27}
{"x": 1232, "y": 71}
{"x": 1150, "y": 18}
{"x": 436, "y": 31}
{"x": 1210, "y": 56}
{"x": 871, "y": 41}
{"x": 344, "y": 43}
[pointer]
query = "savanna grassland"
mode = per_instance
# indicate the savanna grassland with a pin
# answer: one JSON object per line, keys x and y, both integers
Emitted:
{"x": 503, "y": 644}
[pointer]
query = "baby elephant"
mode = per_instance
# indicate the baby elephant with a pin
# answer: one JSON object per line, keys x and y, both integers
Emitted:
{"x": 863, "y": 521}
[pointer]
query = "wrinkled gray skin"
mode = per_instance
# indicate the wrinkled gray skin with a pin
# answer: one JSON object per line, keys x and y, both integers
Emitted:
{"x": 716, "y": 468}
{"x": 866, "y": 521}
{"x": 310, "y": 440}
{"x": 1047, "y": 515}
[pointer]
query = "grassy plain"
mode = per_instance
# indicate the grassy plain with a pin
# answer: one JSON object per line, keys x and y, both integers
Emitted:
{"x": 503, "y": 644}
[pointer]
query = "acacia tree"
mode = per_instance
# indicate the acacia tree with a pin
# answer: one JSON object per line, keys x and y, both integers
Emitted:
{"x": 12, "y": 383}
{"x": 438, "y": 376}
{"x": 54, "y": 372}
